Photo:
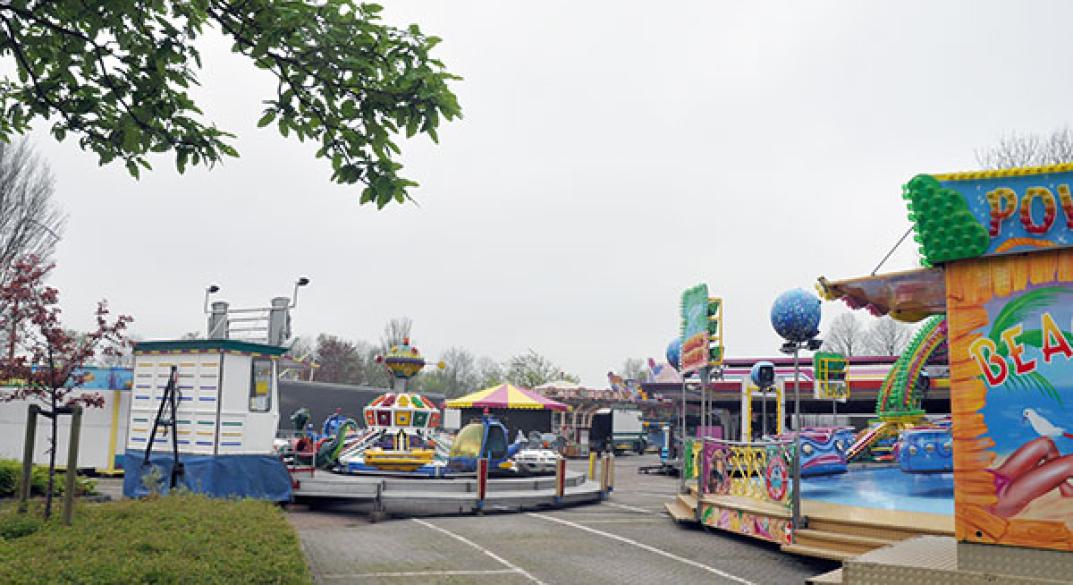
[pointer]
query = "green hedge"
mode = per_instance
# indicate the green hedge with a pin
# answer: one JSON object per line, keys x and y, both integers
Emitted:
{"x": 173, "y": 539}
{"x": 11, "y": 477}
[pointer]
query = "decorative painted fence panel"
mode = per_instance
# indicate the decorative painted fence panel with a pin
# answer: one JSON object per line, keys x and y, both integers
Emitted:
{"x": 754, "y": 470}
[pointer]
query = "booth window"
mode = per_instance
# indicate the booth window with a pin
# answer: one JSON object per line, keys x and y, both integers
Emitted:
{"x": 261, "y": 385}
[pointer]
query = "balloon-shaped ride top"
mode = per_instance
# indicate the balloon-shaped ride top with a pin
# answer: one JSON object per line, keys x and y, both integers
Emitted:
{"x": 404, "y": 361}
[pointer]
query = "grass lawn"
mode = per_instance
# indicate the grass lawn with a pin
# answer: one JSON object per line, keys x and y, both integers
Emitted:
{"x": 182, "y": 538}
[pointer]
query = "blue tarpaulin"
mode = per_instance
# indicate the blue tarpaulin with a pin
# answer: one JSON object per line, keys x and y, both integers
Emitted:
{"x": 222, "y": 476}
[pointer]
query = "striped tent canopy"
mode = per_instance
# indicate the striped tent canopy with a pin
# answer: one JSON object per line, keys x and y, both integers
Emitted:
{"x": 506, "y": 396}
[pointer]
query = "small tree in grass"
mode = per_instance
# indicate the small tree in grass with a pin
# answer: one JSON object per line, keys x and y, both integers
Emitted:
{"x": 42, "y": 360}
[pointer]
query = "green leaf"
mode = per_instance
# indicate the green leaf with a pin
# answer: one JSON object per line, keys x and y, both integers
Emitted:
{"x": 266, "y": 119}
{"x": 132, "y": 137}
{"x": 132, "y": 168}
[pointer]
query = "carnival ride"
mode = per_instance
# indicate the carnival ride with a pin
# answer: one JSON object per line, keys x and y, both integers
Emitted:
{"x": 926, "y": 450}
{"x": 484, "y": 439}
{"x": 823, "y": 450}
{"x": 401, "y": 436}
{"x": 898, "y": 402}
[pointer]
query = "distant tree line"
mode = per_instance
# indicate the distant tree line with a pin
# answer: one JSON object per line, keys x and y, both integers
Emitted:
{"x": 848, "y": 335}
{"x": 350, "y": 361}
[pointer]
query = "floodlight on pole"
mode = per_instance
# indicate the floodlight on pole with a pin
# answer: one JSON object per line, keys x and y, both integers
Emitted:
{"x": 302, "y": 281}
{"x": 211, "y": 289}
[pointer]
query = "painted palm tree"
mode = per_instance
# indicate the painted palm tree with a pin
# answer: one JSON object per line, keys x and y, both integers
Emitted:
{"x": 1015, "y": 312}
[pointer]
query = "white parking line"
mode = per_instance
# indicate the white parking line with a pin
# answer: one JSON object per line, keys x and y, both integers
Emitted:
{"x": 630, "y": 508}
{"x": 418, "y": 574}
{"x": 633, "y": 520}
{"x": 501, "y": 560}
{"x": 644, "y": 546}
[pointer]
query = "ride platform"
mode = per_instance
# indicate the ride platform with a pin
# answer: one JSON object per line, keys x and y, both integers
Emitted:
{"x": 418, "y": 497}
{"x": 941, "y": 559}
{"x": 842, "y": 521}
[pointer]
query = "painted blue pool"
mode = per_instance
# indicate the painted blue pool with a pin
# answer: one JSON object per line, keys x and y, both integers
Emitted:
{"x": 886, "y": 488}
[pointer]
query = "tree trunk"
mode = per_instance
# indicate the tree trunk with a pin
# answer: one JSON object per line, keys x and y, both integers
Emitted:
{"x": 51, "y": 461}
{"x": 52, "y": 440}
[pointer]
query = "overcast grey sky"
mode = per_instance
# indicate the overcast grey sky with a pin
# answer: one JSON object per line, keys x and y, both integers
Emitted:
{"x": 612, "y": 154}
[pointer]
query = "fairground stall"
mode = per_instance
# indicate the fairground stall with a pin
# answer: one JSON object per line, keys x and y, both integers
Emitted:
{"x": 995, "y": 300}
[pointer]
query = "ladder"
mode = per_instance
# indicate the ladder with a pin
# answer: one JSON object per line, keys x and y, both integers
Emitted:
{"x": 170, "y": 401}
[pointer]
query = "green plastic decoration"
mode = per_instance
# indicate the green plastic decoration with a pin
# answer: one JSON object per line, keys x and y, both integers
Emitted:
{"x": 945, "y": 228}
{"x": 899, "y": 395}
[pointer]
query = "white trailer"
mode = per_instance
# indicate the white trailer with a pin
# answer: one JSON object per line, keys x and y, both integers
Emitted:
{"x": 225, "y": 422}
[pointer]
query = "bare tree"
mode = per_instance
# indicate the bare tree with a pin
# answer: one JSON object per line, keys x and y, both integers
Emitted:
{"x": 845, "y": 335}
{"x": 633, "y": 369}
{"x": 459, "y": 376}
{"x": 395, "y": 331}
{"x": 302, "y": 347}
{"x": 887, "y": 337}
{"x": 489, "y": 373}
{"x": 532, "y": 369}
{"x": 30, "y": 221}
{"x": 1028, "y": 150}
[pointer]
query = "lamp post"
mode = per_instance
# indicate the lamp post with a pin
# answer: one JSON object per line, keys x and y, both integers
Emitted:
{"x": 794, "y": 348}
{"x": 682, "y": 441}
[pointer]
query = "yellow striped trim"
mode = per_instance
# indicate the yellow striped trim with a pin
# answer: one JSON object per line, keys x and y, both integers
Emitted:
{"x": 997, "y": 173}
{"x": 139, "y": 429}
{"x": 205, "y": 434}
{"x": 209, "y": 364}
{"x": 1016, "y": 242}
{"x": 184, "y": 432}
{"x": 231, "y": 434}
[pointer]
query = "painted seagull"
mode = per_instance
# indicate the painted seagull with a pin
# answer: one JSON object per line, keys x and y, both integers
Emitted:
{"x": 1042, "y": 426}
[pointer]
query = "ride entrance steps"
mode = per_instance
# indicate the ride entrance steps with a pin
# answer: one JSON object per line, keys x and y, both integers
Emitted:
{"x": 684, "y": 507}
{"x": 844, "y": 532}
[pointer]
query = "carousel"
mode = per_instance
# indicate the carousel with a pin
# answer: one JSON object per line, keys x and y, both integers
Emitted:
{"x": 404, "y": 422}
{"x": 401, "y": 425}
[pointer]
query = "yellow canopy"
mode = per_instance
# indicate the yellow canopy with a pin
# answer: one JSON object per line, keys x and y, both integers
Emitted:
{"x": 506, "y": 396}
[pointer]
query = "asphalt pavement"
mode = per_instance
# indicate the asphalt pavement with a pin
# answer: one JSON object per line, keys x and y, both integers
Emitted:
{"x": 624, "y": 540}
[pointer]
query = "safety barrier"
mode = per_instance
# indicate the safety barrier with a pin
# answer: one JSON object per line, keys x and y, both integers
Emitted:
{"x": 761, "y": 471}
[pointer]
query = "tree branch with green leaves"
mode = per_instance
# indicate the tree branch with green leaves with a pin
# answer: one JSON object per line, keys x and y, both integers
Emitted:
{"x": 117, "y": 74}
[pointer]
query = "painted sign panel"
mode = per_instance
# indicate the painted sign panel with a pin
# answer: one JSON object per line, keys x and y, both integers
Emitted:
{"x": 1021, "y": 211}
{"x": 831, "y": 381}
{"x": 772, "y": 528}
{"x": 694, "y": 328}
{"x": 99, "y": 378}
{"x": 1011, "y": 359}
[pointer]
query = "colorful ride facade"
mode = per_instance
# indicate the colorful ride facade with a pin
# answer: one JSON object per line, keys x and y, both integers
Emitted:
{"x": 997, "y": 247}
